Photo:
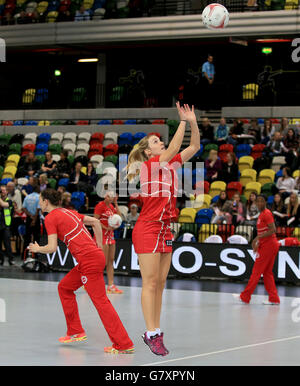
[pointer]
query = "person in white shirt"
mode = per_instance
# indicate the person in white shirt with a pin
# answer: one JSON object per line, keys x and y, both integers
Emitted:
{"x": 133, "y": 215}
{"x": 286, "y": 183}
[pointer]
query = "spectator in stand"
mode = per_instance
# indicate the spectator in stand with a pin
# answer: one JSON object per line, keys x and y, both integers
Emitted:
{"x": 43, "y": 181}
{"x": 237, "y": 210}
{"x": 29, "y": 187}
{"x": 30, "y": 166}
{"x": 133, "y": 215}
{"x": 66, "y": 201}
{"x": 293, "y": 211}
{"x": 208, "y": 77}
{"x": 254, "y": 130}
{"x": 49, "y": 165}
{"x": 222, "y": 132}
{"x": 18, "y": 216}
{"x": 213, "y": 165}
{"x": 267, "y": 131}
{"x": 14, "y": 194}
{"x": 252, "y": 211}
{"x": 62, "y": 189}
{"x": 63, "y": 167}
{"x": 206, "y": 131}
{"x": 77, "y": 179}
{"x": 236, "y": 130}
{"x": 32, "y": 208}
{"x": 284, "y": 127}
{"x": 6, "y": 208}
{"x": 230, "y": 169}
{"x": 279, "y": 210}
{"x": 91, "y": 177}
{"x": 82, "y": 14}
{"x": 285, "y": 184}
{"x": 221, "y": 209}
{"x": 275, "y": 146}
{"x": 297, "y": 184}
{"x": 291, "y": 141}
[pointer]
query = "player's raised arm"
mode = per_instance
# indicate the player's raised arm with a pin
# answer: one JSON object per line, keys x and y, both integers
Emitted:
{"x": 194, "y": 145}
{"x": 176, "y": 142}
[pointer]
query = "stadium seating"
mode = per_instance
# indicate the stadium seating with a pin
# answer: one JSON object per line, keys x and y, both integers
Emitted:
{"x": 245, "y": 162}
{"x": 247, "y": 175}
{"x": 266, "y": 176}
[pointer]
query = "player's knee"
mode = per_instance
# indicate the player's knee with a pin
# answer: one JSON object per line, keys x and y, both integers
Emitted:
{"x": 151, "y": 284}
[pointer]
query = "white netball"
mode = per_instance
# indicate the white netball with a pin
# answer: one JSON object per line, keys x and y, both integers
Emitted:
{"x": 215, "y": 16}
{"x": 115, "y": 221}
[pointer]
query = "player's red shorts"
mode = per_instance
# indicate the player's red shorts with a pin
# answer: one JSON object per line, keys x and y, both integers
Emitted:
{"x": 108, "y": 237}
{"x": 152, "y": 237}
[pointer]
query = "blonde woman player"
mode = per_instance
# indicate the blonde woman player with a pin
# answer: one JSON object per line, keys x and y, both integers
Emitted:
{"x": 152, "y": 237}
{"x": 103, "y": 210}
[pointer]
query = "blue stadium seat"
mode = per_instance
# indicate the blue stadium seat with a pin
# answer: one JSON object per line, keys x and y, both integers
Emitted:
{"x": 130, "y": 122}
{"x": 137, "y": 137}
{"x": 243, "y": 150}
{"x": 104, "y": 122}
{"x": 31, "y": 123}
{"x": 4, "y": 181}
{"x": 125, "y": 139}
{"x": 43, "y": 138}
{"x": 41, "y": 149}
{"x": 63, "y": 182}
{"x": 270, "y": 200}
{"x": 204, "y": 216}
{"x": 78, "y": 199}
{"x": 18, "y": 123}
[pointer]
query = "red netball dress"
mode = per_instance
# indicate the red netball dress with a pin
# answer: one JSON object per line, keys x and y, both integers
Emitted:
{"x": 105, "y": 212}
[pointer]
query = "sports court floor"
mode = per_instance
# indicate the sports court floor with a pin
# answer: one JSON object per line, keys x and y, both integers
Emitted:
{"x": 203, "y": 325}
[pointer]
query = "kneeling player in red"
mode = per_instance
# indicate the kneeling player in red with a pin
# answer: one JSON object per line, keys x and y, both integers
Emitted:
{"x": 69, "y": 227}
{"x": 289, "y": 242}
{"x": 266, "y": 247}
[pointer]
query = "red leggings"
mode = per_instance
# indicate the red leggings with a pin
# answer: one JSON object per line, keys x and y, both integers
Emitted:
{"x": 94, "y": 284}
{"x": 263, "y": 266}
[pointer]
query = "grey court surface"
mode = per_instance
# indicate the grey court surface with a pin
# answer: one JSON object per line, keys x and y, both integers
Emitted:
{"x": 201, "y": 328}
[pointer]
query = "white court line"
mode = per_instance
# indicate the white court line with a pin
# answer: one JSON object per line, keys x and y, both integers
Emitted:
{"x": 223, "y": 351}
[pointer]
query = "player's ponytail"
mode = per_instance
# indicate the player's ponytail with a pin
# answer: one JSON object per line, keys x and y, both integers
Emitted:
{"x": 136, "y": 157}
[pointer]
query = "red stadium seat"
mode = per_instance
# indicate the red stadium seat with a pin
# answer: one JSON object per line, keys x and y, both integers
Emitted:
{"x": 225, "y": 231}
{"x": 7, "y": 123}
{"x": 158, "y": 122}
{"x": 111, "y": 149}
{"x": 157, "y": 134}
{"x": 28, "y": 148}
{"x": 118, "y": 122}
{"x": 202, "y": 186}
{"x": 82, "y": 122}
{"x": 232, "y": 187}
{"x": 95, "y": 148}
{"x": 257, "y": 150}
{"x": 96, "y": 138}
{"x": 224, "y": 150}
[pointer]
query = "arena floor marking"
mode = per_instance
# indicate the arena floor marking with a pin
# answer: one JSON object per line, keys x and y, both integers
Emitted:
{"x": 223, "y": 351}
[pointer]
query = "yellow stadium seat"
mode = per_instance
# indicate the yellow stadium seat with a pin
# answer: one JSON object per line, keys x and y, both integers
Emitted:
{"x": 266, "y": 176}
{"x": 84, "y": 169}
{"x": 252, "y": 187}
{"x": 187, "y": 215}
{"x": 51, "y": 17}
{"x": 28, "y": 96}
{"x": 248, "y": 175}
{"x": 291, "y": 4}
{"x": 202, "y": 201}
{"x": 245, "y": 162}
{"x": 250, "y": 91}
{"x": 296, "y": 233}
{"x": 207, "y": 230}
{"x": 216, "y": 187}
{"x": 44, "y": 123}
{"x": 88, "y": 4}
{"x": 12, "y": 160}
{"x": 42, "y": 7}
{"x": 296, "y": 173}
{"x": 9, "y": 172}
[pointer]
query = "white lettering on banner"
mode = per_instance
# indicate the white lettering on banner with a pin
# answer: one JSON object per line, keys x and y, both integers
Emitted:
{"x": 61, "y": 259}
{"x": 2, "y": 50}
{"x": 176, "y": 260}
{"x": 296, "y": 52}
{"x": 285, "y": 259}
{"x": 224, "y": 257}
{"x": 2, "y": 311}
{"x": 295, "y": 313}
{"x": 134, "y": 260}
{"x": 252, "y": 254}
{"x": 116, "y": 262}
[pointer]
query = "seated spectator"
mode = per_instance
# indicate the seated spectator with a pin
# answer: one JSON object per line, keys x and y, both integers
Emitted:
{"x": 221, "y": 208}
{"x": 285, "y": 184}
{"x": 29, "y": 187}
{"x": 293, "y": 211}
{"x": 82, "y": 14}
{"x": 49, "y": 165}
{"x": 213, "y": 165}
{"x": 77, "y": 180}
{"x": 43, "y": 181}
{"x": 61, "y": 189}
{"x": 279, "y": 210}
{"x": 230, "y": 169}
{"x": 275, "y": 146}
{"x": 237, "y": 210}
{"x": 14, "y": 195}
{"x": 291, "y": 141}
{"x": 91, "y": 176}
{"x": 267, "y": 131}
{"x": 284, "y": 127}
{"x": 66, "y": 201}
{"x": 222, "y": 132}
{"x": 297, "y": 184}
{"x": 133, "y": 215}
{"x": 63, "y": 167}
{"x": 206, "y": 131}
{"x": 255, "y": 131}
{"x": 252, "y": 211}
{"x": 235, "y": 130}
{"x": 30, "y": 166}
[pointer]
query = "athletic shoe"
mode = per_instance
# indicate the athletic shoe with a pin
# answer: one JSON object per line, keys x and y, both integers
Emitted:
{"x": 155, "y": 344}
{"x": 268, "y": 303}
{"x": 238, "y": 297}
{"x": 112, "y": 350}
{"x": 112, "y": 289}
{"x": 161, "y": 337}
{"x": 73, "y": 338}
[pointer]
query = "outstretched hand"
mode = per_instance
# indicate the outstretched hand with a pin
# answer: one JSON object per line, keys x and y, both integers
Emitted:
{"x": 185, "y": 113}
{"x": 34, "y": 247}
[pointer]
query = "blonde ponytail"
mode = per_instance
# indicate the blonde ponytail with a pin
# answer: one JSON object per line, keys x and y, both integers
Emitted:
{"x": 136, "y": 158}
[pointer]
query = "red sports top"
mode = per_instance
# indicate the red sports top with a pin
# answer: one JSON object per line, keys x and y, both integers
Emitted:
{"x": 159, "y": 187}
{"x": 265, "y": 218}
{"x": 104, "y": 212}
{"x": 69, "y": 227}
